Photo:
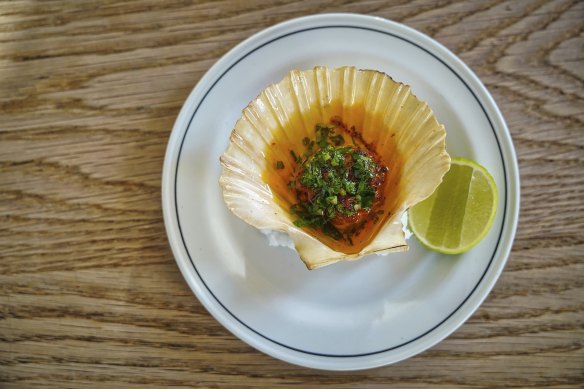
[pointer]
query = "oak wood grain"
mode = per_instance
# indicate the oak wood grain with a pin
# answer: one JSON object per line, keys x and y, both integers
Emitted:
{"x": 90, "y": 295}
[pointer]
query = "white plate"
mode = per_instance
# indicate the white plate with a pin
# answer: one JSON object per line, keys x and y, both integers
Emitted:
{"x": 353, "y": 315}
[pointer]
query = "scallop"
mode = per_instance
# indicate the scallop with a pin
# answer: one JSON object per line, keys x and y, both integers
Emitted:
{"x": 403, "y": 130}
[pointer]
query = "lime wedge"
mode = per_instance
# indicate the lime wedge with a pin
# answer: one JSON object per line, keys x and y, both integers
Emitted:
{"x": 460, "y": 212}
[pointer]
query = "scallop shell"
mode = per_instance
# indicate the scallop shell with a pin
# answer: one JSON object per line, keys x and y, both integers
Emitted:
{"x": 384, "y": 111}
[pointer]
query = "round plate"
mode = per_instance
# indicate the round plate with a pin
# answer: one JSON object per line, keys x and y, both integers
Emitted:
{"x": 352, "y": 315}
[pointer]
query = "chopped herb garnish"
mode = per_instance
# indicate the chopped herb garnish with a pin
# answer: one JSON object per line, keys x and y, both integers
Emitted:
{"x": 294, "y": 156}
{"x": 279, "y": 165}
{"x": 337, "y": 139}
{"x": 333, "y": 183}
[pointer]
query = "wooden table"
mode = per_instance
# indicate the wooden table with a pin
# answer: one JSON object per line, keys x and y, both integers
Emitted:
{"x": 90, "y": 294}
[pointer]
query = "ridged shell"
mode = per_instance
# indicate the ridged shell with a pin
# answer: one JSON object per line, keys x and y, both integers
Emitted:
{"x": 387, "y": 114}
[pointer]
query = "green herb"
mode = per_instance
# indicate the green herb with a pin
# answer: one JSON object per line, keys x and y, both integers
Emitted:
{"x": 294, "y": 156}
{"x": 337, "y": 139}
{"x": 322, "y": 134}
{"x": 279, "y": 165}
{"x": 335, "y": 181}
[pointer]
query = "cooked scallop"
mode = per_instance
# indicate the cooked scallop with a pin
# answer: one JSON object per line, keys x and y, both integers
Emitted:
{"x": 333, "y": 158}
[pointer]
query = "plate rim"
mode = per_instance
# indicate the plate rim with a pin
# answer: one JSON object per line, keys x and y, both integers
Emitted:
{"x": 493, "y": 115}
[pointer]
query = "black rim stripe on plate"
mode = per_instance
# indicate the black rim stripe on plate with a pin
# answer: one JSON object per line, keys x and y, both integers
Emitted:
{"x": 311, "y": 352}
